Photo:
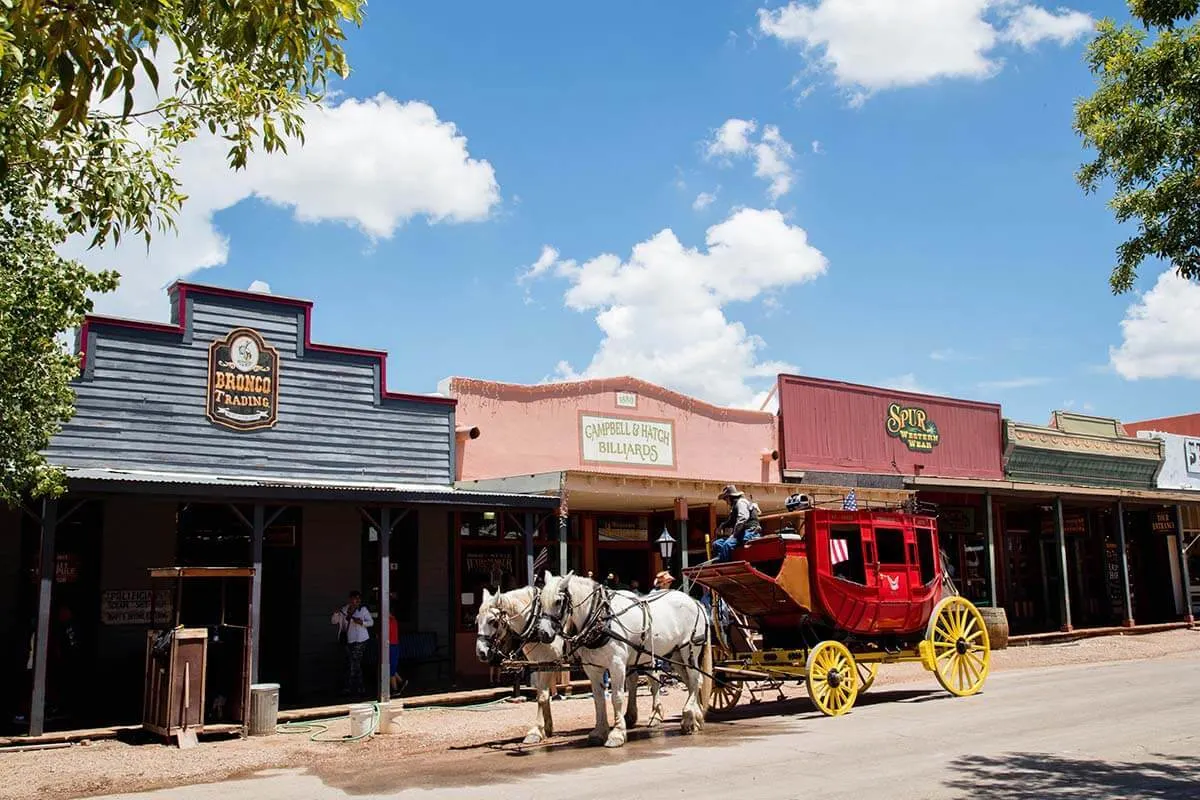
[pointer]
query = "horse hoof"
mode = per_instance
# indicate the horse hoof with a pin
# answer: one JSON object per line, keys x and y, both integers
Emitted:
{"x": 615, "y": 739}
{"x": 654, "y": 722}
{"x": 596, "y": 738}
{"x": 533, "y": 737}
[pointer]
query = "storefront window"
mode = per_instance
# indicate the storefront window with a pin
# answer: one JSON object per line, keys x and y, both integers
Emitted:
{"x": 490, "y": 555}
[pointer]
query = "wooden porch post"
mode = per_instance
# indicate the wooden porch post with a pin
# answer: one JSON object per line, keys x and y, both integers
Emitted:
{"x": 256, "y": 550}
{"x": 563, "y": 521}
{"x": 993, "y": 592}
{"x": 385, "y": 604}
{"x": 529, "y": 547}
{"x": 37, "y": 704}
{"x": 1060, "y": 535}
{"x": 1184, "y": 572}
{"x": 1123, "y": 563}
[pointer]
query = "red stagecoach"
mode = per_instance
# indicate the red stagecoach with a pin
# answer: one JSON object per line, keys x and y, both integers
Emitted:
{"x": 829, "y": 595}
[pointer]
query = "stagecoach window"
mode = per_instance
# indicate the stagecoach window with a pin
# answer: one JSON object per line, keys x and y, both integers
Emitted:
{"x": 846, "y": 553}
{"x": 889, "y": 543}
{"x": 925, "y": 545}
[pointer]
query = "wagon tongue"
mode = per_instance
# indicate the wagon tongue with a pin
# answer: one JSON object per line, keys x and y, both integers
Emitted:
{"x": 744, "y": 588}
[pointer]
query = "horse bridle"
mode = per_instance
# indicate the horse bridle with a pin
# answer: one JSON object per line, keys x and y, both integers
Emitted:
{"x": 500, "y": 621}
{"x": 599, "y": 603}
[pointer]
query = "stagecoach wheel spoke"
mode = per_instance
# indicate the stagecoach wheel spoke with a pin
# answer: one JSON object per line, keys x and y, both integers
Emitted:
{"x": 866, "y": 675}
{"x": 832, "y": 678}
{"x": 962, "y": 652}
{"x": 725, "y": 692}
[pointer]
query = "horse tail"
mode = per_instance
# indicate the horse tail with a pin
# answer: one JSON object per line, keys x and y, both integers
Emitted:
{"x": 706, "y": 670}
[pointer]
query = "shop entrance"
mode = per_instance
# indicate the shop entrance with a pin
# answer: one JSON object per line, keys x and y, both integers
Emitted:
{"x": 630, "y": 566}
{"x": 215, "y": 534}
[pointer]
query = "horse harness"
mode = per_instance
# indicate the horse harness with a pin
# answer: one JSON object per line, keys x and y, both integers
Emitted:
{"x": 505, "y": 632}
{"x": 597, "y": 629}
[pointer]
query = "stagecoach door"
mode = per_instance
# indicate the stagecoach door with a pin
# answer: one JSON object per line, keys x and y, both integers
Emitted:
{"x": 894, "y": 576}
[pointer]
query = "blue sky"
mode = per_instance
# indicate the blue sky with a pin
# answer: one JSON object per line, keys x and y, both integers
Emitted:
{"x": 934, "y": 238}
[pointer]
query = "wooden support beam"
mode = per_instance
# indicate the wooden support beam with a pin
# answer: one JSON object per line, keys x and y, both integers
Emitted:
{"x": 1060, "y": 536}
{"x": 256, "y": 557}
{"x": 1184, "y": 572}
{"x": 993, "y": 589}
{"x": 529, "y": 547}
{"x": 37, "y": 704}
{"x": 1123, "y": 563}
{"x": 385, "y": 602}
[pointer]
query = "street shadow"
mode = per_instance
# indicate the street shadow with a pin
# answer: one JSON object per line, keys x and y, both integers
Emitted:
{"x": 1039, "y": 776}
{"x": 803, "y": 707}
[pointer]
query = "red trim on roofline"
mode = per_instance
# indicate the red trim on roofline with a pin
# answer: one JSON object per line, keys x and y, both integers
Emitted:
{"x": 181, "y": 289}
{"x": 883, "y": 390}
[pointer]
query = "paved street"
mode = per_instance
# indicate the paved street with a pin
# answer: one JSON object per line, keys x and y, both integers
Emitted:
{"x": 1120, "y": 730}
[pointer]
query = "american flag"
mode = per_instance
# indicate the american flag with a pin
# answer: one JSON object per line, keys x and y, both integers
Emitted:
{"x": 542, "y": 561}
{"x": 839, "y": 550}
{"x": 851, "y": 502}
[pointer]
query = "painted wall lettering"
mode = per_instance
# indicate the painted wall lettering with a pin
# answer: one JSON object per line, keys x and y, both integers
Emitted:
{"x": 625, "y": 440}
{"x": 243, "y": 382}
{"x": 912, "y": 426}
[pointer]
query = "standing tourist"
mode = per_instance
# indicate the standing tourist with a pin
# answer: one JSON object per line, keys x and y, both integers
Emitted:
{"x": 352, "y": 620}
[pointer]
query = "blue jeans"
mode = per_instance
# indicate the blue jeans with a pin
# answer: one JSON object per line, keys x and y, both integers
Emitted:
{"x": 724, "y": 547}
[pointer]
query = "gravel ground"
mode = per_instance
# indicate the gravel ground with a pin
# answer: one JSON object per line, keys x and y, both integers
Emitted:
{"x": 445, "y": 739}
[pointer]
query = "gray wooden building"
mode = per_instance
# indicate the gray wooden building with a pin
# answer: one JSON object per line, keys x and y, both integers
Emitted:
{"x": 228, "y": 437}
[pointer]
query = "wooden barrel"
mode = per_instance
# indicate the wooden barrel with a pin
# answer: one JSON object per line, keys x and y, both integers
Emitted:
{"x": 996, "y": 622}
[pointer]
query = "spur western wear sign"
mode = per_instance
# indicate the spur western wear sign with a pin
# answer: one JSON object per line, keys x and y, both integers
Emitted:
{"x": 912, "y": 426}
{"x": 243, "y": 381}
{"x": 627, "y": 440}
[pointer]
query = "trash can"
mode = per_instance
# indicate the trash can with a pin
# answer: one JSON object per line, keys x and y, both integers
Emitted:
{"x": 264, "y": 708}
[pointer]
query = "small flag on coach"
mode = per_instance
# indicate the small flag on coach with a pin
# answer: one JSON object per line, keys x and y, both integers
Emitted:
{"x": 851, "y": 502}
{"x": 839, "y": 551}
{"x": 542, "y": 561}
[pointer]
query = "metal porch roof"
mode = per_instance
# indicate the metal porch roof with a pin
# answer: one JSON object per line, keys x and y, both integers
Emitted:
{"x": 246, "y": 486}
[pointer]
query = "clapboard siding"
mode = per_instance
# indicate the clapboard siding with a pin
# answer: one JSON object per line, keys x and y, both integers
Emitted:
{"x": 141, "y": 405}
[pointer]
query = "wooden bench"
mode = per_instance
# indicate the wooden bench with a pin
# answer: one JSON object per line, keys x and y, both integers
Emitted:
{"x": 419, "y": 648}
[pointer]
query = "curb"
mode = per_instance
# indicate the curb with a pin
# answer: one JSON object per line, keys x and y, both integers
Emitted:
{"x": 1058, "y": 637}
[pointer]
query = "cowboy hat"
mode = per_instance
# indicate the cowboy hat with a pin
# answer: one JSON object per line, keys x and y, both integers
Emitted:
{"x": 729, "y": 491}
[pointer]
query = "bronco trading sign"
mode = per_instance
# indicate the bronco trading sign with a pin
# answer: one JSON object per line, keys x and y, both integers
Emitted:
{"x": 913, "y": 427}
{"x": 243, "y": 381}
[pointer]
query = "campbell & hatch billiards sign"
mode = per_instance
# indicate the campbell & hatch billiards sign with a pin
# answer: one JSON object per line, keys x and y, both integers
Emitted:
{"x": 243, "y": 382}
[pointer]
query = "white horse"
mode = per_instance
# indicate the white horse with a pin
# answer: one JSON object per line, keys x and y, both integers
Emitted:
{"x": 506, "y": 621}
{"x": 618, "y": 631}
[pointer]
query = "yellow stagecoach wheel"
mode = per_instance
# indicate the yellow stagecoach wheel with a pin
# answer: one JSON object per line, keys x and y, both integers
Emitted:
{"x": 960, "y": 648}
{"x": 725, "y": 692}
{"x": 832, "y": 678}
{"x": 866, "y": 675}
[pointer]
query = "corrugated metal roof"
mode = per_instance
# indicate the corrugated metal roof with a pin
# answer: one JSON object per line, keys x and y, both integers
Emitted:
{"x": 431, "y": 492}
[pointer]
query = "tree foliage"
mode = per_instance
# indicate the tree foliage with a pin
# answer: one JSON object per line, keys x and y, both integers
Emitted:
{"x": 96, "y": 96}
{"x": 1143, "y": 121}
{"x": 41, "y": 295}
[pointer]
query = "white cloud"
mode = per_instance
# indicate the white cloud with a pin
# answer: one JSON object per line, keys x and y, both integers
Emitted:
{"x": 817, "y": 148}
{"x": 771, "y": 153}
{"x": 1013, "y": 383}
{"x": 1161, "y": 332}
{"x": 259, "y": 286}
{"x": 1032, "y": 25}
{"x": 372, "y": 164}
{"x": 704, "y": 200}
{"x": 872, "y": 45}
{"x": 950, "y": 354}
{"x": 545, "y": 261}
{"x": 662, "y": 311}
{"x": 905, "y": 383}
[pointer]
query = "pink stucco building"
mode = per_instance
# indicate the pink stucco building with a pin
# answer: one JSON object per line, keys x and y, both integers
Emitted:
{"x": 616, "y": 426}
